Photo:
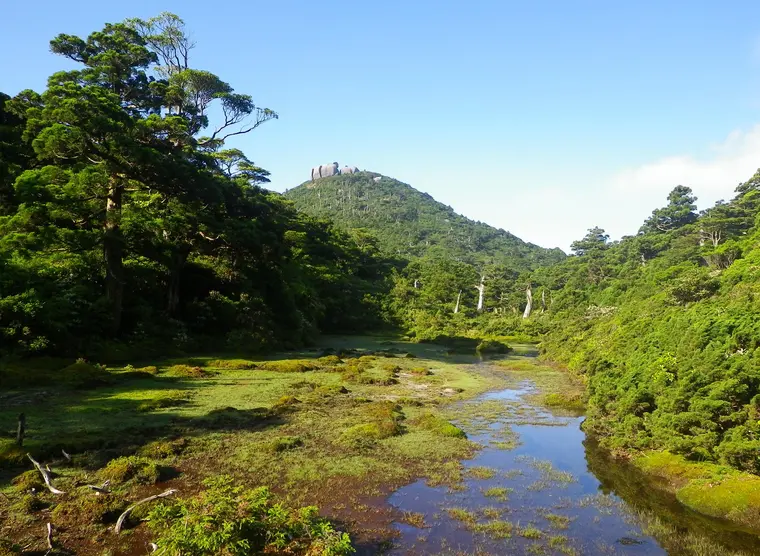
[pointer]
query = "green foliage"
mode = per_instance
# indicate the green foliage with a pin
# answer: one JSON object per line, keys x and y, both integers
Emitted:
{"x": 666, "y": 335}
{"x": 439, "y": 425}
{"x": 227, "y": 519}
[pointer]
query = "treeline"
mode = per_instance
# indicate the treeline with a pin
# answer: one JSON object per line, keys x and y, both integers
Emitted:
{"x": 126, "y": 220}
{"x": 664, "y": 328}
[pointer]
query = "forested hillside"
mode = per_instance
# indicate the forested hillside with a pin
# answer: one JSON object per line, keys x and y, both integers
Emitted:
{"x": 126, "y": 219}
{"x": 409, "y": 223}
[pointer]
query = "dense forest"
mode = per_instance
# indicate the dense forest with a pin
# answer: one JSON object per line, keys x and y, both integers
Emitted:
{"x": 125, "y": 220}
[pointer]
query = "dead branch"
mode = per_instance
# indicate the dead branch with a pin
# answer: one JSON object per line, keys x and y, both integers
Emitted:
{"x": 50, "y": 537}
{"x": 45, "y": 476}
{"x": 67, "y": 456}
{"x": 125, "y": 515}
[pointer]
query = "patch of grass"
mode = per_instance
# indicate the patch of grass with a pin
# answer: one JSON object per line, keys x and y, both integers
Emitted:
{"x": 420, "y": 371}
{"x": 491, "y": 512}
{"x": 285, "y": 404}
{"x": 290, "y": 366}
{"x": 163, "y": 400}
{"x": 415, "y": 519}
{"x": 493, "y": 347}
{"x": 132, "y": 468}
{"x": 558, "y": 521}
{"x": 461, "y": 514}
{"x": 162, "y": 449}
{"x": 481, "y": 472}
{"x": 11, "y": 455}
{"x": 187, "y": 371}
{"x": 735, "y": 498}
{"x": 570, "y": 401}
{"x": 329, "y": 360}
{"x": 74, "y": 511}
{"x": 557, "y": 540}
{"x": 439, "y": 425}
{"x": 499, "y": 493}
{"x": 497, "y": 529}
{"x": 285, "y": 443}
{"x": 28, "y": 481}
{"x": 530, "y": 532}
{"x": 505, "y": 445}
{"x": 231, "y": 364}
{"x": 84, "y": 375}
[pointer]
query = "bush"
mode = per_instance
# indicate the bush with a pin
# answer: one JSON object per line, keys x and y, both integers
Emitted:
{"x": 225, "y": 519}
{"x": 492, "y": 346}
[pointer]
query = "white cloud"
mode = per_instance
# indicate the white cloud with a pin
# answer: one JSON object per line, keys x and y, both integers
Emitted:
{"x": 711, "y": 177}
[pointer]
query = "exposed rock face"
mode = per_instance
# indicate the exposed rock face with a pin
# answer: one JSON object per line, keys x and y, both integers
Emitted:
{"x": 324, "y": 171}
{"x": 376, "y": 179}
{"x": 349, "y": 170}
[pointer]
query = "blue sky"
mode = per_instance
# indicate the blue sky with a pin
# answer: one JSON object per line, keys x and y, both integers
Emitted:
{"x": 542, "y": 118}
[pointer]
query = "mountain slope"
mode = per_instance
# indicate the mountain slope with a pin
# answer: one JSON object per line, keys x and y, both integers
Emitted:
{"x": 410, "y": 223}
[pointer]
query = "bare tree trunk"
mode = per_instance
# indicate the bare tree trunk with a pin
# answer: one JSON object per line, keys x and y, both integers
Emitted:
{"x": 529, "y": 304}
{"x": 113, "y": 253}
{"x": 459, "y": 298}
{"x": 543, "y": 301}
{"x": 174, "y": 279}
{"x": 21, "y": 429}
{"x": 481, "y": 292}
{"x": 416, "y": 283}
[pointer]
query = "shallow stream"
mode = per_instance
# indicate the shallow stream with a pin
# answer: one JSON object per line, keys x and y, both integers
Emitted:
{"x": 538, "y": 486}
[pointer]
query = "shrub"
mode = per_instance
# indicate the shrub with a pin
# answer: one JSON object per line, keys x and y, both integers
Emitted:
{"x": 136, "y": 468}
{"x": 329, "y": 360}
{"x": 572, "y": 401}
{"x": 492, "y": 346}
{"x": 225, "y": 519}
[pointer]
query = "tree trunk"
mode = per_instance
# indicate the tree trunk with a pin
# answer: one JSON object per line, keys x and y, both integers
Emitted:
{"x": 481, "y": 293}
{"x": 113, "y": 252}
{"x": 543, "y": 301}
{"x": 529, "y": 304}
{"x": 459, "y": 298}
{"x": 21, "y": 429}
{"x": 416, "y": 283}
{"x": 180, "y": 258}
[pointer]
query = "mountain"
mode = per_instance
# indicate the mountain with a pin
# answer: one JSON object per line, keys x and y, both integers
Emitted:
{"x": 409, "y": 223}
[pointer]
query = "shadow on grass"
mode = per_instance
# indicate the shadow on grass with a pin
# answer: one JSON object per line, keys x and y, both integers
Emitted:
{"x": 107, "y": 422}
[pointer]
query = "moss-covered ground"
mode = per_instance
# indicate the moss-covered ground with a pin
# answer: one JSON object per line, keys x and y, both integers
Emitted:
{"x": 339, "y": 428}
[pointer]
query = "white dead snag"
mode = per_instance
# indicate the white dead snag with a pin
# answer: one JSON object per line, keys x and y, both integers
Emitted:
{"x": 67, "y": 456}
{"x": 416, "y": 283}
{"x": 543, "y": 301}
{"x": 459, "y": 298}
{"x": 125, "y": 515}
{"x": 481, "y": 292}
{"x": 529, "y": 304}
{"x": 45, "y": 476}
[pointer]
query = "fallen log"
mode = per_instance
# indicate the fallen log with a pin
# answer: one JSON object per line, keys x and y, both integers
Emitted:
{"x": 45, "y": 476}
{"x": 125, "y": 515}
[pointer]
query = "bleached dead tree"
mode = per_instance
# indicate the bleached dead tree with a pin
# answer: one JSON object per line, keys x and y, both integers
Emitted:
{"x": 459, "y": 298}
{"x": 543, "y": 300}
{"x": 529, "y": 304}
{"x": 481, "y": 292}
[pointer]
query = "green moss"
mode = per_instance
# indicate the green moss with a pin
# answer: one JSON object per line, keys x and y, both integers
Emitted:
{"x": 284, "y": 443}
{"x": 75, "y": 511}
{"x": 439, "y": 425}
{"x": 290, "y": 366}
{"x": 231, "y": 364}
{"x": 735, "y": 498}
{"x": 11, "y": 455}
{"x": 132, "y": 468}
{"x": 187, "y": 371}
{"x": 28, "y": 481}
{"x": 172, "y": 398}
{"x": 161, "y": 449}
